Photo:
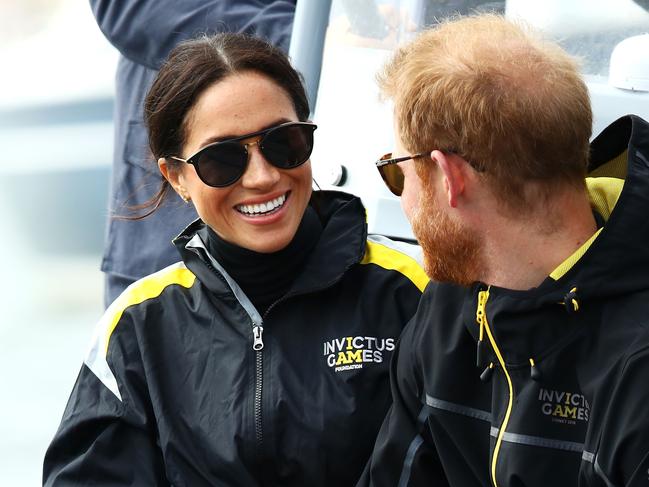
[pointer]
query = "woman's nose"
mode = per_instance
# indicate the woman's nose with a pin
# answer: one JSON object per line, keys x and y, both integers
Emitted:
{"x": 260, "y": 173}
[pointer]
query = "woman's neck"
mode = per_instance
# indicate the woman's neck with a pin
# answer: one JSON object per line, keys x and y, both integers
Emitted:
{"x": 265, "y": 278}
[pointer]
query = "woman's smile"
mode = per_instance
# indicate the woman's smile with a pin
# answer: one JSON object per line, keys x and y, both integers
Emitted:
{"x": 263, "y": 209}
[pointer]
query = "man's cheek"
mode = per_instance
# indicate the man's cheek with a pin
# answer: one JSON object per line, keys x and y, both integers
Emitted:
{"x": 410, "y": 205}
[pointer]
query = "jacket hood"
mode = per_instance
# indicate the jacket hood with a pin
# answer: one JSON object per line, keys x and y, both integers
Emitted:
{"x": 341, "y": 214}
{"x": 615, "y": 261}
{"x": 619, "y": 191}
{"x": 612, "y": 265}
{"x": 618, "y": 186}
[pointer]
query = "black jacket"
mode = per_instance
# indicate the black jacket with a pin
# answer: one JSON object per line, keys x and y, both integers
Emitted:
{"x": 564, "y": 395}
{"x": 187, "y": 385}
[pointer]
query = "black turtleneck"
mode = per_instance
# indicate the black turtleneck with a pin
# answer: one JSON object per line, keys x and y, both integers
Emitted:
{"x": 266, "y": 277}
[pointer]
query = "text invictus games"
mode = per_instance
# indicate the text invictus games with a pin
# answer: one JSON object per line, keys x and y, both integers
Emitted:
{"x": 348, "y": 353}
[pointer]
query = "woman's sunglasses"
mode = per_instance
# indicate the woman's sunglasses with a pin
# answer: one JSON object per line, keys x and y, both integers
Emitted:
{"x": 285, "y": 146}
{"x": 391, "y": 172}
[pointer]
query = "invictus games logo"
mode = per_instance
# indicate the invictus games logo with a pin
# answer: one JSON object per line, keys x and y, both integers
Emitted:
{"x": 348, "y": 353}
{"x": 564, "y": 407}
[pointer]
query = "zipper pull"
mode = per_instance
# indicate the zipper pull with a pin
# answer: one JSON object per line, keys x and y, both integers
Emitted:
{"x": 487, "y": 373}
{"x": 257, "y": 343}
{"x": 535, "y": 373}
{"x": 479, "y": 353}
{"x": 480, "y": 319}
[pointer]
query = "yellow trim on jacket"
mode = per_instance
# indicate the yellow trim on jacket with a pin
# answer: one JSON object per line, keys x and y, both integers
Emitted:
{"x": 392, "y": 259}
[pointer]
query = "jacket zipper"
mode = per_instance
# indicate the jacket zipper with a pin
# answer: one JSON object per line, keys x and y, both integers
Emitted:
{"x": 257, "y": 346}
{"x": 481, "y": 318}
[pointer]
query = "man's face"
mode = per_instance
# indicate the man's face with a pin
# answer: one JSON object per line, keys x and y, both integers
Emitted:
{"x": 452, "y": 251}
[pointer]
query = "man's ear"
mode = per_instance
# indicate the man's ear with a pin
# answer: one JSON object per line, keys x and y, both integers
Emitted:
{"x": 174, "y": 176}
{"x": 453, "y": 175}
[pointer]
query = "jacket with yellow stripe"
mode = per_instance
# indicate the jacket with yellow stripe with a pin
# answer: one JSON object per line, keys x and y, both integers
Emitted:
{"x": 545, "y": 387}
{"x": 187, "y": 385}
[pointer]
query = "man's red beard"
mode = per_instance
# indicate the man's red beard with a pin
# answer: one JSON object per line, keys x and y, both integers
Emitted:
{"x": 451, "y": 251}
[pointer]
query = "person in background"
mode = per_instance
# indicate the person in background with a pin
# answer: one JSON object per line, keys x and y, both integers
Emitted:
{"x": 527, "y": 361}
{"x": 262, "y": 357}
{"x": 144, "y": 32}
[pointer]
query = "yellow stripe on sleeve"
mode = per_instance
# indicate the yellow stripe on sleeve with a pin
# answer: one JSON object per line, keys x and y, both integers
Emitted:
{"x": 144, "y": 289}
{"x": 383, "y": 256}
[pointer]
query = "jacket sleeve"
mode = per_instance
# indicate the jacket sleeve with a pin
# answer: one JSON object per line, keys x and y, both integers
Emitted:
{"x": 404, "y": 454}
{"x": 106, "y": 436}
{"x": 623, "y": 456}
{"x": 145, "y": 31}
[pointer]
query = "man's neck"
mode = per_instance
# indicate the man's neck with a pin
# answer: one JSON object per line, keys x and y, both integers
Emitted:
{"x": 521, "y": 253}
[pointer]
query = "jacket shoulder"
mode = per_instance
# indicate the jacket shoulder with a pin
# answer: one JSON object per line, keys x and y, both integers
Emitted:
{"x": 147, "y": 288}
{"x": 402, "y": 257}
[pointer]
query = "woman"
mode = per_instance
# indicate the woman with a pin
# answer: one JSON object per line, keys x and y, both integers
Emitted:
{"x": 262, "y": 357}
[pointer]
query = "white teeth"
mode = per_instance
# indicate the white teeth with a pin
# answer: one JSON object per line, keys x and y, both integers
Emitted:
{"x": 262, "y": 208}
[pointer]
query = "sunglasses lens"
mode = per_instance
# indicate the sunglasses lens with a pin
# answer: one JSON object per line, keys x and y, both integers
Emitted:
{"x": 392, "y": 176}
{"x": 288, "y": 146}
{"x": 222, "y": 164}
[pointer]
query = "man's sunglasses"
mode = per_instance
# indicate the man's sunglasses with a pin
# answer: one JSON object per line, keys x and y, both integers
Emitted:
{"x": 391, "y": 172}
{"x": 285, "y": 146}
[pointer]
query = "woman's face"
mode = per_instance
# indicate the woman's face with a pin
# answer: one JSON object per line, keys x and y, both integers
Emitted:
{"x": 237, "y": 105}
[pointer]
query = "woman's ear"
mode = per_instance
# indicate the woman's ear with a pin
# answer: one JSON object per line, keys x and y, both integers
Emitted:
{"x": 166, "y": 171}
{"x": 174, "y": 176}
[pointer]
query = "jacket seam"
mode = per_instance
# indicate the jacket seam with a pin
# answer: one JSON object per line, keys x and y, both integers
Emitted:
{"x": 600, "y": 472}
{"x": 539, "y": 441}
{"x": 414, "y": 445}
{"x": 475, "y": 413}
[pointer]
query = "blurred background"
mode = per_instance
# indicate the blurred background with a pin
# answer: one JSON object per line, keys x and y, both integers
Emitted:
{"x": 56, "y": 141}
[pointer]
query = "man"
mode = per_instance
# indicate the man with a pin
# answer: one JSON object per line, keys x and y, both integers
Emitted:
{"x": 144, "y": 32}
{"x": 543, "y": 278}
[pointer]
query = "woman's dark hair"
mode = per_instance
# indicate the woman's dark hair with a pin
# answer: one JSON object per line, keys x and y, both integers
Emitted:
{"x": 191, "y": 68}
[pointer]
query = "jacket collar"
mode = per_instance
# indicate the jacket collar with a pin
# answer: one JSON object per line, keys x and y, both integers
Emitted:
{"x": 341, "y": 245}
